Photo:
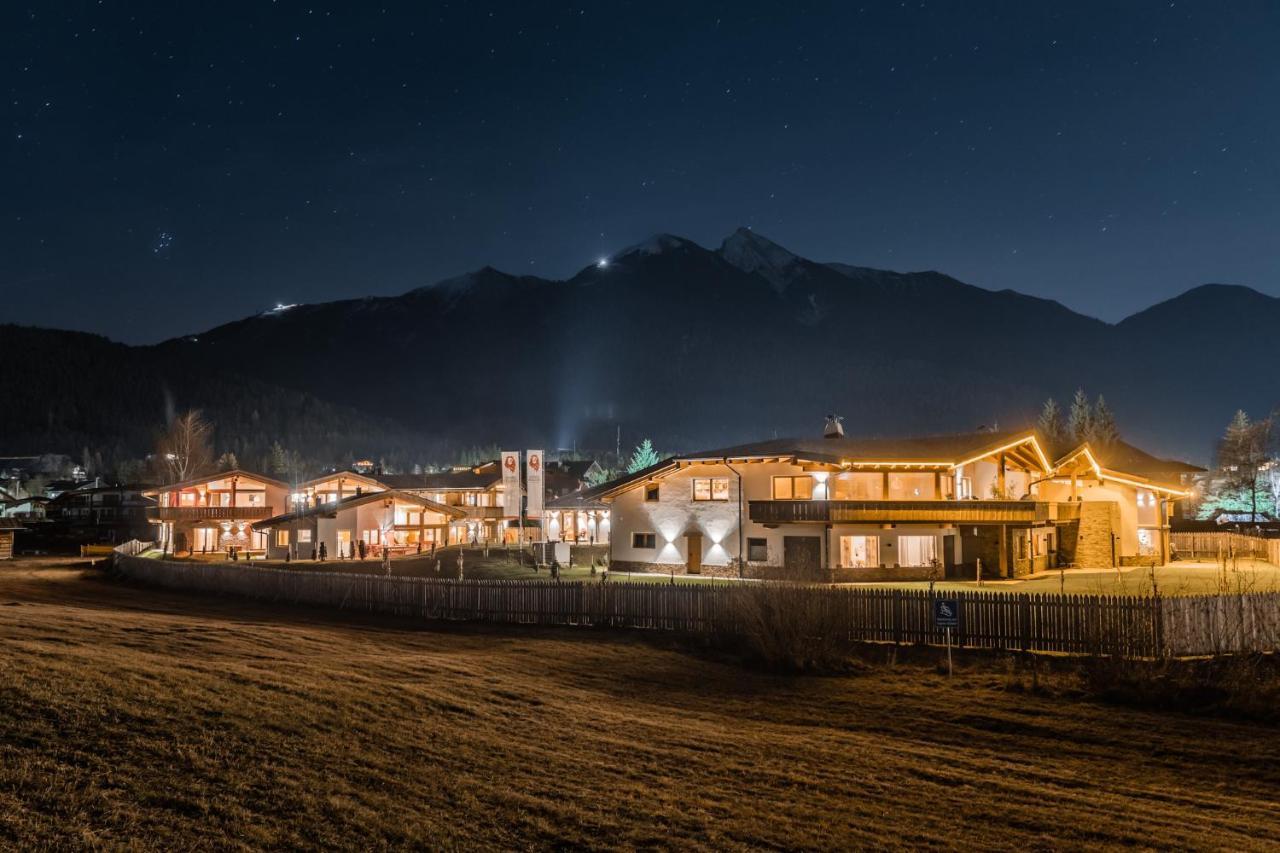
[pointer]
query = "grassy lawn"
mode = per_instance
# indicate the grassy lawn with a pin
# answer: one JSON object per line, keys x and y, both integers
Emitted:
{"x": 158, "y": 720}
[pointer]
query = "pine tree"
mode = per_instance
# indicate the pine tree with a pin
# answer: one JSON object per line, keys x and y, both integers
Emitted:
{"x": 1242, "y": 453}
{"x": 644, "y": 456}
{"x": 1080, "y": 421}
{"x": 1050, "y": 423}
{"x": 228, "y": 462}
{"x": 1105, "y": 431}
{"x": 279, "y": 460}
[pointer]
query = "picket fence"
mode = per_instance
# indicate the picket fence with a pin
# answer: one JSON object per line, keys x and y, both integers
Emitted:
{"x": 1072, "y": 624}
{"x": 1221, "y": 544}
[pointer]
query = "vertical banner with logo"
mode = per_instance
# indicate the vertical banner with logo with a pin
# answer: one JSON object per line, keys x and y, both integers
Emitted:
{"x": 534, "y": 482}
{"x": 511, "y": 483}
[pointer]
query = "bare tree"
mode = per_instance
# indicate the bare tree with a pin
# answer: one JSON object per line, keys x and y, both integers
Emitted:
{"x": 184, "y": 451}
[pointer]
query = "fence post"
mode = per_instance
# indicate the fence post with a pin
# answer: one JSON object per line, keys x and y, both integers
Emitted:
{"x": 1024, "y": 609}
{"x": 897, "y": 617}
{"x": 1157, "y": 626}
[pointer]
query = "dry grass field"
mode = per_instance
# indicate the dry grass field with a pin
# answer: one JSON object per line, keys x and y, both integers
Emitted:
{"x": 162, "y": 720}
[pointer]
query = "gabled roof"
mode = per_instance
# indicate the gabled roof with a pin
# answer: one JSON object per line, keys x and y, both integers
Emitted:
{"x": 479, "y": 477}
{"x": 581, "y": 499}
{"x": 200, "y": 481}
{"x": 933, "y": 451}
{"x": 329, "y": 510}
{"x": 1124, "y": 463}
{"x": 344, "y": 475}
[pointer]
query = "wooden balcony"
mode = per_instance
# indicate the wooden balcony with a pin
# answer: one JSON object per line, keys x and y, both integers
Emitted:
{"x": 932, "y": 512}
{"x": 485, "y": 512}
{"x": 208, "y": 513}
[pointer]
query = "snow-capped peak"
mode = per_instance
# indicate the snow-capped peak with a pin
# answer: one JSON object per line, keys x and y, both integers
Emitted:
{"x": 753, "y": 253}
{"x": 656, "y": 245}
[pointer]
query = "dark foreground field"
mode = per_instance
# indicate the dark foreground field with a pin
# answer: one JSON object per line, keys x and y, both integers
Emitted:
{"x": 129, "y": 714}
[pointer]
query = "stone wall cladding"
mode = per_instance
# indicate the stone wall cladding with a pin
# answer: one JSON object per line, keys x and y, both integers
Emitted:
{"x": 1098, "y": 522}
{"x": 671, "y": 569}
{"x": 885, "y": 573}
{"x": 1136, "y": 560}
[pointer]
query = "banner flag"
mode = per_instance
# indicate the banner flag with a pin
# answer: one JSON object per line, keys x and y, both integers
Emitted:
{"x": 534, "y": 482}
{"x": 511, "y": 483}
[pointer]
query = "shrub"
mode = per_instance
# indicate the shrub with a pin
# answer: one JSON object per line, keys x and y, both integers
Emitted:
{"x": 789, "y": 627}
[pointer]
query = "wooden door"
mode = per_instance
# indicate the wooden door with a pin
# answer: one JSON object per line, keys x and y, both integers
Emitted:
{"x": 802, "y": 555}
{"x": 949, "y": 556}
{"x": 693, "y": 548}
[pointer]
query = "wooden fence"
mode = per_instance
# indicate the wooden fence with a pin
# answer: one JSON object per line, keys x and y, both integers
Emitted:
{"x": 1217, "y": 545}
{"x": 1073, "y": 624}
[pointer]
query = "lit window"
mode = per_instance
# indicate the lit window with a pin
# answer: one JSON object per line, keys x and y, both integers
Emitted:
{"x": 304, "y": 536}
{"x": 859, "y": 552}
{"x": 711, "y": 489}
{"x": 282, "y": 539}
{"x": 916, "y": 550}
{"x": 757, "y": 550}
{"x": 651, "y": 492}
{"x": 793, "y": 488}
{"x": 644, "y": 540}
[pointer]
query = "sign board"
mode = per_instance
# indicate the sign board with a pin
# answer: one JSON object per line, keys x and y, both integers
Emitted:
{"x": 946, "y": 613}
{"x": 534, "y": 482}
{"x": 511, "y": 483}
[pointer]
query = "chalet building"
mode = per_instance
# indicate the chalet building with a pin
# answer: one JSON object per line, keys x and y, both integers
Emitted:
{"x": 8, "y": 527}
{"x": 97, "y": 513}
{"x": 579, "y": 517}
{"x": 28, "y": 508}
{"x": 476, "y": 490}
{"x": 216, "y": 512}
{"x": 1135, "y": 491}
{"x": 889, "y": 509}
{"x": 385, "y": 520}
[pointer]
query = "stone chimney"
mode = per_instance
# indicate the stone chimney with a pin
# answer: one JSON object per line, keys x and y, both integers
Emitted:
{"x": 834, "y": 427}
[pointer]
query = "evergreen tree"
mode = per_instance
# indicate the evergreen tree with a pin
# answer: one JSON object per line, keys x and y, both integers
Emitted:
{"x": 644, "y": 456}
{"x": 1080, "y": 421}
{"x": 228, "y": 462}
{"x": 1050, "y": 423}
{"x": 279, "y": 460}
{"x": 1242, "y": 454}
{"x": 1105, "y": 431}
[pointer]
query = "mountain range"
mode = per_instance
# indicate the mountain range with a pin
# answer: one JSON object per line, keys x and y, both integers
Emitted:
{"x": 669, "y": 340}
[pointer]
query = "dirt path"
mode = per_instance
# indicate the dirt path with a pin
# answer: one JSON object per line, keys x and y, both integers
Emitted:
{"x": 171, "y": 720}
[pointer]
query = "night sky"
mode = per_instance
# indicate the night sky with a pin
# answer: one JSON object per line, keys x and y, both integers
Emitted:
{"x": 168, "y": 167}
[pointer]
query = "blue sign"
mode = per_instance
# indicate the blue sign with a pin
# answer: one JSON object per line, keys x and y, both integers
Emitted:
{"x": 946, "y": 613}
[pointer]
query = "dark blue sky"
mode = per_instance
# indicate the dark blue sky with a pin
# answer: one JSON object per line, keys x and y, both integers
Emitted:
{"x": 167, "y": 169}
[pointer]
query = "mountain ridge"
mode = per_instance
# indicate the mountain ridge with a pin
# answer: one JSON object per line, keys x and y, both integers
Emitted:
{"x": 694, "y": 346}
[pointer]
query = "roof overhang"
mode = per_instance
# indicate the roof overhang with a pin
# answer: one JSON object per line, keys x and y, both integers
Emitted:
{"x": 1082, "y": 461}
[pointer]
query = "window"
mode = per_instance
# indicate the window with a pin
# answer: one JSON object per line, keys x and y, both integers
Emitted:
{"x": 651, "y": 493}
{"x": 917, "y": 550}
{"x": 906, "y": 487}
{"x": 304, "y": 536}
{"x": 859, "y": 552}
{"x": 859, "y": 486}
{"x": 793, "y": 488}
{"x": 282, "y": 539}
{"x": 644, "y": 540}
{"x": 711, "y": 489}
{"x": 757, "y": 550}
{"x": 964, "y": 488}
{"x": 1146, "y": 542}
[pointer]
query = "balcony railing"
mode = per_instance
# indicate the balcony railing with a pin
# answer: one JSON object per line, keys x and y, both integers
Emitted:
{"x": 208, "y": 513}
{"x": 490, "y": 512}
{"x": 944, "y": 511}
